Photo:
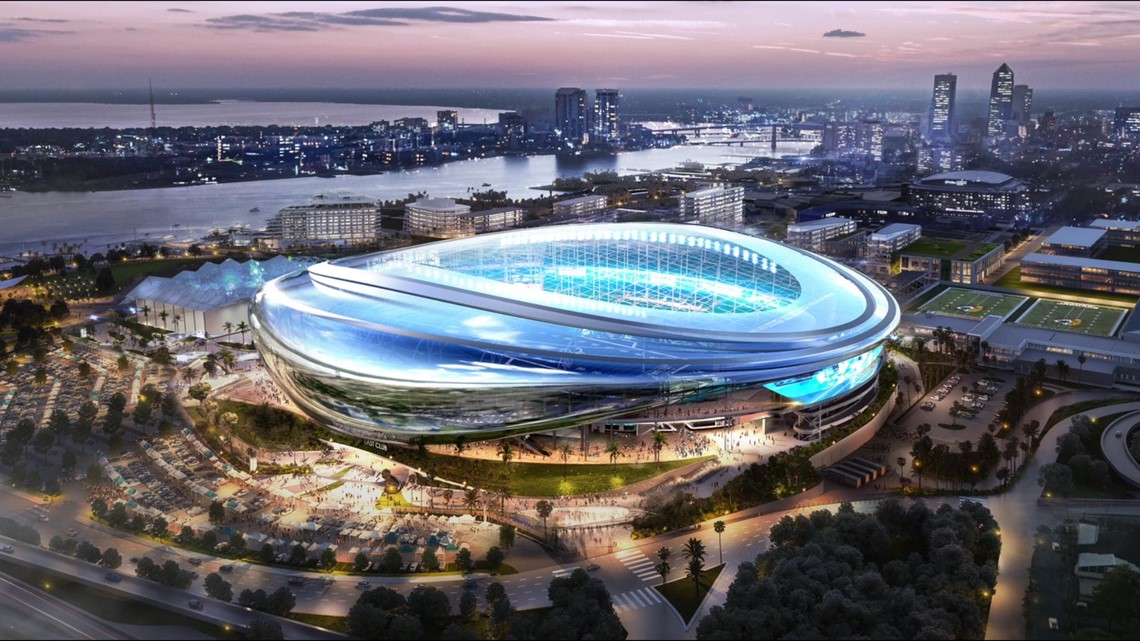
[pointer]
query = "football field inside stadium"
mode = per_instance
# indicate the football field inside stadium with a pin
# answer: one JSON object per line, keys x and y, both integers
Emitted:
{"x": 969, "y": 303}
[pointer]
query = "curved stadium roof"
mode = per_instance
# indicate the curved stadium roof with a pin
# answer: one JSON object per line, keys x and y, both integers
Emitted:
{"x": 575, "y": 305}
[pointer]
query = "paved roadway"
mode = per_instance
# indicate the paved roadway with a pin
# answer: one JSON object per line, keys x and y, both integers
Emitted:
{"x": 1114, "y": 444}
{"x": 27, "y": 612}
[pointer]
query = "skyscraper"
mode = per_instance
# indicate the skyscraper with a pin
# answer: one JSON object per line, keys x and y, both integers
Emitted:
{"x": 605, "y": 125}
{"x": 942, "y": 122}
{"x": 1001, "y": 101}
{"x": 570, "y": 115}
{"x": 1022, "y": 104}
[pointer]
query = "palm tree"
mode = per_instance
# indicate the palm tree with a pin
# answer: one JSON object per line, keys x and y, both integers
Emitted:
{"x": 504, "y": 496}
{"x": 243, "y": 328}
{"x": 471, "y": 499}
{"x": 694, "y": 553}
{"x": 614, "y": 450}
{"x": 1081, "y": 359}
{"x": 1062, "y": 369}
{"x": 659, "y": 441}
{"x": 718, "y": 527}
{"x": 229, "y": 327}
{"x": 176, "y": 318}
{"x": 146, "y": 313}
{"x": 902, "y": 464}
{"x": 447, "y": 494}
{"x": 564, "y": 452}
{"x": 506, "y": 451}
{"x": 544, "y": 509}
{"x": 163, "y": 315}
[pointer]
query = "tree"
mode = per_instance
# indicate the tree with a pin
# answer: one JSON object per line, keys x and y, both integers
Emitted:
{"x": 217, "y": 512}
{"x": 359, "y": 562}
{"x": 429, "y": 562}
{"x": 281, "y": 602}
{"x": 663, "y": 568}
{"x": 613, "y": 448}
{"x": 902, "y": 466}
{"x": 1056, "y": 478}
{"x": 506, "y": 536}
{"x": 218, "y": 588}
{"x": 254, "y": 599}
{"x": 468, "y": 605}
{"x": 1062, "y": 369}
{"x": 117, "y": 517}
{"x": 266, "y": 553}
{"x": 494, "y": 558}
{"x": 471, "y": 499}
{"x": 104, "y": 280}
{"x": 544, "y": 509}
{"x": 328, "y": 558}
{"x": 718, "y": 527}
{"x": 243, "y": 328}
{"x": 1117, "y": 597}
{"x": 564, "y": 452}
{"x": 111, "y": 558}
{"x": 60, "y": 424}
{"x": 506, "y": 451}
{"x": 199, "y": 391}
{"x": 694, "y": 553}
{"x": 430, "y": 605}
{"x": 298, "y": 555}
{"x": 463, "y": 560}
{"x": 660, "y": 439}
{"x": 85, "y": 551}
{"x": 1081, "y": 361}
{"x": 158, "y": 527}
{"x": 42, "y": 443}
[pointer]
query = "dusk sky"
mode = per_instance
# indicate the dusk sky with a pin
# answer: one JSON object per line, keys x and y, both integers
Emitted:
{"x": 88, "y": 45}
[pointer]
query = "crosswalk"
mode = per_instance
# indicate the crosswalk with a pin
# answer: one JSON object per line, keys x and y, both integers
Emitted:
{"x": 641, "y": 565}
{"x": 635, "y": 599}
{"x": 563, "y": 572}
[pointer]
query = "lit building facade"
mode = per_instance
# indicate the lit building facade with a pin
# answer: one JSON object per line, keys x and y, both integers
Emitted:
{"x": 581, "y": 206}
{"x": 605, "y": 123}
{"x": 1075, "y": 241}
{"x": 564, "y": 326}
{"x": 570, "y": 116}
{"x": 1001, "y": 101}
{"x": 445, "y": 218}
{"x": 812, "y": 235}
{"x": 1111, "y": 276}
{"x": 970, "y": 194}
{"x": 942, "y": 116}
{"x": 714, "y": 206}
{"x": 1121, "y": 233}
{"x": 336, "y": 220}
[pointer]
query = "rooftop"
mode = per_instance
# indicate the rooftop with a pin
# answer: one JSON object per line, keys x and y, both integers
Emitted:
{"x": 991, "y": 178}
{"x": 440, "y": 205}
{"x": 1076, "y": 237}
{"x": 893, "y": 230}
{"x": 1116, "y": 223}
{"x": 822, "y": 223}
{"x": 215, "y": 285}
{"x": 1080, "y": 261}
{"x": 581, "y": 199}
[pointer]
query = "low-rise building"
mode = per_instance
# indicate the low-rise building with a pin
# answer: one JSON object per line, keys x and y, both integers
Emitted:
{"x": 1091, "y": 568}
{"x": 1121, "y": 233}
{"x": 1111, "y": 276}
{"x": 813, "y": 234}
{"x": 345, "y": 220}
{"x": 445, "y": 218}
{"x": 581, "y": 206}
{"x": 956, "y": 261}
{"x": 1075, "y": 241}
{"x": 883, "y": 244}
{"x": 714, "y": 206}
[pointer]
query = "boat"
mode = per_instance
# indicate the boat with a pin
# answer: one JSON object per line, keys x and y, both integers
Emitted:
{"x": 255, "y": 210}
{"x": 486, "y": 184}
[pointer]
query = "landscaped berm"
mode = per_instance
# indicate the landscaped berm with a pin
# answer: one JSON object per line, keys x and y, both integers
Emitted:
{"x": 1082, "y": 318}
{"x": 968, "y": 303}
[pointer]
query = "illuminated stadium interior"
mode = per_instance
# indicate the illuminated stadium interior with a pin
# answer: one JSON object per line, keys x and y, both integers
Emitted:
{"x": 525, "y": 330}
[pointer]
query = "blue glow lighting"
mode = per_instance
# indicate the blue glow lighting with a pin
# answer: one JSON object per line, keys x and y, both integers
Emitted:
{"x": 830, "y": 382}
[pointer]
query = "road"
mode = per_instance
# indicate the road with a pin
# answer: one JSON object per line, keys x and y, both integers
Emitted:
{"x": 1013, "y": 258}
{"x": 1114, "y": 445}
{"x": 26, "y": 612}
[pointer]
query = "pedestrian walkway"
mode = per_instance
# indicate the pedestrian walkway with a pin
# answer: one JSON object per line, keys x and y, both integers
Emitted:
{"x": 638, "y": 563}
{"x": 635, "y": 599}
{"x": 566, "y": 571}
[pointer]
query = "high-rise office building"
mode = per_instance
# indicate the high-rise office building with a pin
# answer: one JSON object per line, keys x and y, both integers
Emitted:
{"x": 1001, "y": 101}
{"x": 1022, "y": 104}
{"x": 942, "y": 122}
{"x": 871, "y": 139}
{"x": 447, "y": 120}
{"x": 605, "y": 125}
{"x": 570, "y": 115}
{"x": 1126, "y": 122}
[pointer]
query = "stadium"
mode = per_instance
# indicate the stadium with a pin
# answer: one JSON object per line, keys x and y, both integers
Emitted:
{"x": 539, "y": 329}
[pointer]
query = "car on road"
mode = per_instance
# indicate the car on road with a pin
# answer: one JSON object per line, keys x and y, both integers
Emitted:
{"x": 114, "y": 577}
{"x": 593, "y": 566}
{"x": 470, "y": 584}
{"x": 363, "y": 585}
{"x": 1118, "y": 433}
{"x": 72, "y": 531}
{"x": 195, "y": 604}
{"x": 296, "y": 580}
{"x": 928, "y": 405}
{"x": 229, "y": 567}
{"x": 8, "y": 549}
{"x": 194, "y": 561}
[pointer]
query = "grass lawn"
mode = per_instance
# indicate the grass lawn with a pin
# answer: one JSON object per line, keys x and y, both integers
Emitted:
{"x": 683, "y": 597}
{"x": 536, "y": 479}
{"x": 124, "y": 272}
{"x": 326, "y": 621}
{"x": 1080, "y": 318}
{"x": 942, "y": 248}
{"x": 968, "y": 303}
{"x": 110, "y": 606}
{"x": 1012, "y": 280}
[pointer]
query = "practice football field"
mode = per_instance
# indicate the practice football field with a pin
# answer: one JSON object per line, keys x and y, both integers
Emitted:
{"x": 970, "y": 303}
{"x": 1082, "y": 318}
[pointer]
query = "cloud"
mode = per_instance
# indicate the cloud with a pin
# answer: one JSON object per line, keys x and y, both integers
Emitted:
{"x": 636, "y": 35}
{"x": 51, "y": 20}
{"x": 767, "y": 47}
{"x": 14, "y": 34}
{"x": 381, "y": 17}
{"x": 647, "y": 24}
{"x": 177, "y": 10}
{"x": 844, "y": 33}
{"x": 840, "y": 55}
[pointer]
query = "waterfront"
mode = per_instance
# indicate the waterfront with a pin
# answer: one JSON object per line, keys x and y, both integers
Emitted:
{"x": 34, "y": 221}
{"x": 85, "y": 115}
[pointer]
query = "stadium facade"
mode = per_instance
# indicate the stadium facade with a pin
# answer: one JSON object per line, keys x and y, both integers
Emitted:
{"x": 562, "y": 326}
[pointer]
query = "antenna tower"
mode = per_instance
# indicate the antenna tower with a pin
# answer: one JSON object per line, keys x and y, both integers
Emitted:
{"x": 153, "y": 123}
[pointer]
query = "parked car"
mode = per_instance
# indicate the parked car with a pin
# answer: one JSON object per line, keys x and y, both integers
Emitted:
{"x": 593, "y": 566}
{"x": 195, "y": 604}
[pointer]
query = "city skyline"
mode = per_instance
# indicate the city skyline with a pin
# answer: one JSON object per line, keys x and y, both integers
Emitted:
{"x": 1054, "y": 45}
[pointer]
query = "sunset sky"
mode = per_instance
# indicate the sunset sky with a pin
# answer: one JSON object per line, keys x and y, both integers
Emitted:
{"x": 87, "y": 45}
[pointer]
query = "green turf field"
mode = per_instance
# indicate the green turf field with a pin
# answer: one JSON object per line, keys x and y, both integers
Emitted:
{"x": 1081, "y": 318}
{"x": 969, "y": 303}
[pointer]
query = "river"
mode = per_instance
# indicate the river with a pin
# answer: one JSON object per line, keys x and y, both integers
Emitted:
{"x": 93, "y": 220}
